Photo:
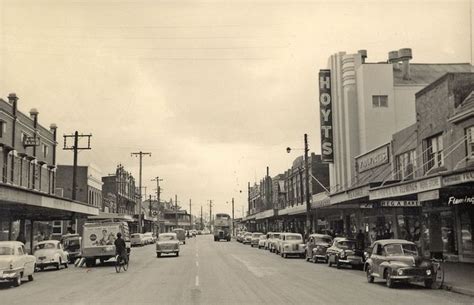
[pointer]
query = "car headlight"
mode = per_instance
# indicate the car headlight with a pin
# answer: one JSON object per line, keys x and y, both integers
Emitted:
{"x": 400, "y": 272}
{"x": 52, "y": 259}
{"x": 11, "y": 265}
{"x": 342, "y": 254}
{"x": 428, "y": 271}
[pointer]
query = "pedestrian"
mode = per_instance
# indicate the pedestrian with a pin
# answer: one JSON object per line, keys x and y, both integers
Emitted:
{"x": 21, "y": 237}
{"x": 373, "y": 235}
{"x": 360, "y": 238}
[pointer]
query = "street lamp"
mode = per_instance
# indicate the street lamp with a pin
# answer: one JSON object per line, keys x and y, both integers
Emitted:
{"x": 308, "y": 225}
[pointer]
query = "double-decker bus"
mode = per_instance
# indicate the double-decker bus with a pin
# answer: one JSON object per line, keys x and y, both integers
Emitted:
{"x": 222, "y": 227}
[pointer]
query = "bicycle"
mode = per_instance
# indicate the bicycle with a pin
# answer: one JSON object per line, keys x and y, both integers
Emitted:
{"x": 438, "y": 268}
{"x": 120, "y": 264}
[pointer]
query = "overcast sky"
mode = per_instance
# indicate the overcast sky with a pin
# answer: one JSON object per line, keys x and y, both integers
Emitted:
{"x": 215, "y": 90}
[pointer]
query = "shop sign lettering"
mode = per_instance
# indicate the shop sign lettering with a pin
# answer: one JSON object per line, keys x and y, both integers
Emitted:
{"x": 358, "y": 193}
{"x": 373, "y": 159}
{"x": 406, "y": 189}
{"x": 366, "y": 205}
{"x": 400, "y": 203}
{"x": 466, "y": 199}
{"x": 458, "y": 178}
{"x": 325, "y": 108}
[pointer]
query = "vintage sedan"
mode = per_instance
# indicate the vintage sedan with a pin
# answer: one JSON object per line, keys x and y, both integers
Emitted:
{"x": 15, "y": 263}
{"x": 72, "y": 245}
{"x": 396, "y": 260}
{"x": 343, "y": 252}
{"x": 262, "y": 241}
{"x": 272, "y": 238}
{"x": 254, "y": 239}
{"x": 247, "y": 238}
{"x": 137, "y": 239}
{"x": 167, "y": 243}
{"x": 291, "y": 244}
{"x": 50, "y": 253}
{"x": 317, "y": 246}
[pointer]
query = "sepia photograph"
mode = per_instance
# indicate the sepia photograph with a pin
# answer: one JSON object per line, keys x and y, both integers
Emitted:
{"x": 236, "y": 152}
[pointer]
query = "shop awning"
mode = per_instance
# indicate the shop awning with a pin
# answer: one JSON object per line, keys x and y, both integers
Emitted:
{"x": 20, "y": 203}
{"x": 265, "y": 214}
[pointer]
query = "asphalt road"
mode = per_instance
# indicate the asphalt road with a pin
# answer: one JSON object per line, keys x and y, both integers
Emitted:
{"x": 207, "y": 272}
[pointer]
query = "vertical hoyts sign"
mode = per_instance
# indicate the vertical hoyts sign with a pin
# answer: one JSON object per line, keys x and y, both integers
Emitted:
{"x": 326, "y": 116}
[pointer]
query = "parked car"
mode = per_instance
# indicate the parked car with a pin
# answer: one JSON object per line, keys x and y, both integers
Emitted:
{"x": 137, "y": 239}
{"x": 167, "y": 243}
{"x": 15, "y": 263}
{"x": 148, "y": 238}
{"x": 291, "y": 244}
{"x": 254, "y": 239}
{"x": 72, "y": 245}
{"x": 397, "y": 260}
{"x": 193, "y": 233}
{"x": 272, "y": 239}
{"x": 206, "y": 231}
{"x": 343, "y": 252}
{"x": 317, "y": 246}
{"x": 50, "y": 253}
{"x": 238, "y": 237}
{"x": 262, "y": 241}
{"x": 247, "y": 238}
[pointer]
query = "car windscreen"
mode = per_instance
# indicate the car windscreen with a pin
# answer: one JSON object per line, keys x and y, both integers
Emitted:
{"x": 326, "y": 240}
{"x": 276, "y": 235}
{"x": 45, "y": 246}
{"x": 262, "y": 237}
{"x": 256, "y": 234}
{"x": 135, "y": 235}
{"x": 293, "y": 237}
{"x": 346, "y": 244}
{"x": 401, "y": 249}
{"x": 5, "y": 250}
{"x": 166, "y": 237}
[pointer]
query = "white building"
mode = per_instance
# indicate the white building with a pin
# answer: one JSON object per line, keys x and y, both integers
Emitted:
{"x": 371, "y": 101}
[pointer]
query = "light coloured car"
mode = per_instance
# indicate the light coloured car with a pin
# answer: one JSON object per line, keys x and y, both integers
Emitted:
{"x": 50, "y": 253}
{"x": 167, "y": 243}
{"x": 247, "y": 238}
{"x": 272, "y": 238}
{"x": 254, "y": 239}
{"x": 15, "y": 263}
{"x": 137, "y": 239}
{"x": 148, "y": 238}
{"x": 262, "y": 241}
{"x": 291, "y": 244}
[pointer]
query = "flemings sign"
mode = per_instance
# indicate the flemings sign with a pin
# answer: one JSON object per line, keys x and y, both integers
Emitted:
{"x": 325, "y": 106}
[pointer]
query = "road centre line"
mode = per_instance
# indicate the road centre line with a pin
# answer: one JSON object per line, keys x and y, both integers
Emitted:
{"x": 197, "y": 280}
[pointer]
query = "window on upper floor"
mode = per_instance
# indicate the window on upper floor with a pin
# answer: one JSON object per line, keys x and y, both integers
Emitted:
{"x": 405, "y": 164}
{"x": 379, "y": 101}
{"x": 45, "y": 150}
{"x": 3, "y": 128}
{"x": 433, "y": 156}
{"x": 470, "y": 142}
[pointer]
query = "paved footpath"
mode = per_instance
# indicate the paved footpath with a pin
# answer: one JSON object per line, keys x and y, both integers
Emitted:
{"x": 208, "y": 272}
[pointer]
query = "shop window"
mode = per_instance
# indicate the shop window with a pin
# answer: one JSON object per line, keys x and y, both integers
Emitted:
{"x": 379, "y": 101}
{"x": 57, "y": 227}
{"x": 467, "y": 222}
{"x": 405, "y": 163}
{"x": 470, "y": 142}
{"x": 434, "y": 156}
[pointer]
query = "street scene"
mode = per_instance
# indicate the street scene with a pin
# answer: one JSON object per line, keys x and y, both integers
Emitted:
{"x": 236, "y": 152}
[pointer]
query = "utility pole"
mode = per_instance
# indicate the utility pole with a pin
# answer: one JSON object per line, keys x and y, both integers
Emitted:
{"x": 190, "y": 216}
{"x": 210, "y": 215}
{"x": 176, "y": 209}
{"x": 158, "y": 190}
{"x": 75, "y": 148}
{"x": 150, "y": 208}
{"x": 202, "y": 226}
{"x": 140, "y": 154}
{"x": 306, "y": 181}
{"x": 233, "y": 231}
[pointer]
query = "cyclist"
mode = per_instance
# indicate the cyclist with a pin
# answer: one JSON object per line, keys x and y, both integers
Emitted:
{"x": 121, "y": 248}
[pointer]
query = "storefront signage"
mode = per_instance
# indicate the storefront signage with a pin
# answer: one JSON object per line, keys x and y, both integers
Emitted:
{"x": 358, "y": 192}
{"x": 458, "y": 178}
{"x": 373, "y": 159}
{"x": 406, "y": 189}
{"x": 325, "y": 112}
{"x": 30, "y": 141}
{"x": 400, "y": 203}
{"x": 366, "y": 205}
{"x": 466, "y": 199}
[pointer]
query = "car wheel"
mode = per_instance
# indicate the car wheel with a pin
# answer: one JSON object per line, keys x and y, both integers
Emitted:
{"x": 429, "y": 284}
{"x": 338, "y": 264}
{"x": 329, "y": 261}
{"x": 370, "y": 278}
{"x": 184, "y": 242}
{"x": 17, "y": 281}
{"x": 30, "y": 277}
{"x": 177, "y": 253}
{"x": 388, "y": 278}
{"x": 158, "y": 254}
{"x": 58, "y": 265}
